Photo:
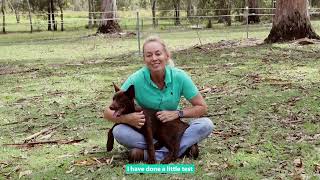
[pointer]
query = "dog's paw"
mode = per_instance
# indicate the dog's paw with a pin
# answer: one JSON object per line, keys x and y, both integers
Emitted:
{"x": 151, "y": 161}
{"x": 157, "y": 146}
{"x": 165, "y": 161}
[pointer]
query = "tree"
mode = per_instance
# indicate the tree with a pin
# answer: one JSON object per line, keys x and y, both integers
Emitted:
{"x": 52, "y": 9}
{"x": 30, "y": 18}
{"x": 90, "y": 5}
{"x": 3, "y": 16}
{"x": 176, "y": 5}
{"x": 291, "y": 21}
{"x": 15, "y": 8}
{"x": 153, "y": 8}
{"x": 189, "y": 8}
{"x": 108, "y": 23}
{"x": 253, "y": 5}
{"x": 223, "y": 7}
{"x": 60, "y": 4}
{"x": 168, "y": 4}
{"x": 50, "y": 14}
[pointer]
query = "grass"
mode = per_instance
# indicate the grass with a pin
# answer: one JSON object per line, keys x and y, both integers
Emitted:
{"x": 264, "y": 101}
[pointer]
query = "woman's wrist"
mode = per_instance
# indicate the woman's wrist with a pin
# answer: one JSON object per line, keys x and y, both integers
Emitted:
{"x": 123, "y": 119}
{"x": 180, "y": 113}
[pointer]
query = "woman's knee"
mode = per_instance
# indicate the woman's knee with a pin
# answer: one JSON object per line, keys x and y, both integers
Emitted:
{"x": 205, "y": 126}
{"x": 119, "y": 132}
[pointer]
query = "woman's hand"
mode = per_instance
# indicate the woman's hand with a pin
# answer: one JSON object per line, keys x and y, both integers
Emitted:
{"x": 135, "y": 119}
{"x": 166, "y": 116}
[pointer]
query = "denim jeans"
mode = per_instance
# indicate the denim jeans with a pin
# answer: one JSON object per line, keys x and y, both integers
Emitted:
{"x": 198, "y": 130}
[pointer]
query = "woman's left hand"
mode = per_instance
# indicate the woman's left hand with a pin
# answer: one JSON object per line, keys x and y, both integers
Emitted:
{"x": 166, "y": 116}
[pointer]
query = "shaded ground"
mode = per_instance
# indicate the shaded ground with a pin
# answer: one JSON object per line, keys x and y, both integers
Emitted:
{"x": 263, "y": 99}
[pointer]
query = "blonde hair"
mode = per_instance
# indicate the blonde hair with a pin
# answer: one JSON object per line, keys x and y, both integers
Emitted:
{"x": 160, "y": 41}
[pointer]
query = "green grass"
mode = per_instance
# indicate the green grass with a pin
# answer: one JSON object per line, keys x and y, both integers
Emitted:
{"x": 264, "y": 101}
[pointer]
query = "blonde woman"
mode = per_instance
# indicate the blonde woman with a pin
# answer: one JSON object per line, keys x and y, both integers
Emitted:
{"x": 158, "y": 85}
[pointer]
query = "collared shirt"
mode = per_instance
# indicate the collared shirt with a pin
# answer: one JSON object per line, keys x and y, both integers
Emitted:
{"x": 148, "y": 95}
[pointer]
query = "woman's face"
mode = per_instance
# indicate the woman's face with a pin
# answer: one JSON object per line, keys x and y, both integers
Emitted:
{"x": 155, "y": 57}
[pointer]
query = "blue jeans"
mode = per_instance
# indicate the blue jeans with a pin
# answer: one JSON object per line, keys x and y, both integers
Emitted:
{"x": 198, "y": 130}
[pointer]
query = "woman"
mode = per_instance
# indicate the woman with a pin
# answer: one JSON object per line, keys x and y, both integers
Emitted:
{"x": 160, "y": 86}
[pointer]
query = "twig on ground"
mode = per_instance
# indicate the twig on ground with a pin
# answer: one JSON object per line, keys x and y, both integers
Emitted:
{"x": 31, "y": 144}
{"x": 41, "y": 132}
{"x": 16, "y": 122}
{"x": 205, "y": 90}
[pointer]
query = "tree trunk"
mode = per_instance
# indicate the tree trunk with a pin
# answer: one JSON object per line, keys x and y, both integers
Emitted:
{"x": 53, "y": 16}
{"x": 291, "y": 21}
{"x": 189, "y": 8}
{"x": 3, "y": 16}
{"x": 153, "y": 7}
{"x": 177, "y": 12}
{"x": 94, "y": 13}
{"x": 49, "y": 16}
{"x": 60, "y": 2}
{"x": 30, "y": 17}
{"x": 108, "y": 23}
{"x": 224, "y": 11}
{"x": 253, "y": 5}
{"x": 90, "y": 22}
{"x": 15, "y": 10}
{"x": 10, "y": 5}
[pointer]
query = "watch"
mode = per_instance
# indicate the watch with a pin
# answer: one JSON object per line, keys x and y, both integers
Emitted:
{"x": 180, "y": 113}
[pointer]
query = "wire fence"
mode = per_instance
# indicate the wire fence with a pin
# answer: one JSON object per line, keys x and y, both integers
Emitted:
{"x": 128, "y": 19}
{"x": 237, "y": 23}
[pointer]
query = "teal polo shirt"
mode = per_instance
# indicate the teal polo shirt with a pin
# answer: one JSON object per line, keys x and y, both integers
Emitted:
{"x": 148, "y": 95}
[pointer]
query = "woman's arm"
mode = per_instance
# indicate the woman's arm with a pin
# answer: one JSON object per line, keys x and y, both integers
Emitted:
{"x": 198, "y": 108}
{"x": 135, "y": 119}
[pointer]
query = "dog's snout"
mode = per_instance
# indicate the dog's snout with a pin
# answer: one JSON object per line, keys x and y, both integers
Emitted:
{"x": 112, "y": 107}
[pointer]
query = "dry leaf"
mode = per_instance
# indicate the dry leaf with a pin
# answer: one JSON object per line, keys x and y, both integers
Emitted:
{"x": 317, "y": 168}
{"x": 297, "y": 163}
{"x": 205, "y": 90}
{"x": 70, "y": 170}
{"x": 24, "y": 173}
{"x": 85, "y": 162}
{"x": 227, "y": 165}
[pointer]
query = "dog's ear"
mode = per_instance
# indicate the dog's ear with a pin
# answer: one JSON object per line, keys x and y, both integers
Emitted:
{"x": 116, "y": 88}
{"x": 130, "y": 92}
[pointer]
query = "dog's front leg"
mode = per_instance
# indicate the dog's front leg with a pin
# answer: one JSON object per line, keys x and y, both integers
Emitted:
{"x": 149, "y": 141}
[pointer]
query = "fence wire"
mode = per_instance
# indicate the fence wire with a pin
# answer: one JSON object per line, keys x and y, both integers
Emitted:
{"x": 200, "y": 28}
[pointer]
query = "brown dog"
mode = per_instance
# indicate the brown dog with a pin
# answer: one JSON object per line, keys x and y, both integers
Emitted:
{"x": 168, "y": 134}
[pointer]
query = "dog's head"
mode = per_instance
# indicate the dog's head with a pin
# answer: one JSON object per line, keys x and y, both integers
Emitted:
{"x": 122, "y": 101}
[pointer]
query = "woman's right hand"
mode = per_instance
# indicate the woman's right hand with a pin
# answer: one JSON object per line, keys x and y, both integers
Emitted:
{"x": 135, "y": 119}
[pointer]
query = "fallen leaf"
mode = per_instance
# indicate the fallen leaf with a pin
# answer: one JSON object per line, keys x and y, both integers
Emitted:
{"x": 70, "y": 170}
{"x": 205, "y": 90}
{"x": 317, "y": 168}
{"x": 85, "y": 162}
{"x": 226, "y": 165}
{"x": 91, "y": 161}
{"x": 297, "y": 163}
{"x": 25, "y": 173}
{"x": 298, "y": 169}
{"x": 209, "y": 174}
{"x": 16, "y": 169}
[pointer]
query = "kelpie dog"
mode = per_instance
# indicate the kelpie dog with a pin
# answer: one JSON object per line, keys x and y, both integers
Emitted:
{"x": 168, "y": 134}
